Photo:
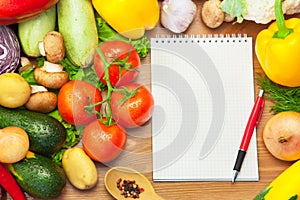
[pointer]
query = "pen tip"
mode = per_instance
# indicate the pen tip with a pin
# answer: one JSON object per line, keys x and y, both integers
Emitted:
{"x": 261, "y": 93}
{"x": 234, "y": 176}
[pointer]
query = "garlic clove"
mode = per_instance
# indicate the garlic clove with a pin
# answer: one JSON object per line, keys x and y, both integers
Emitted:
{"x": 177, "y": 15}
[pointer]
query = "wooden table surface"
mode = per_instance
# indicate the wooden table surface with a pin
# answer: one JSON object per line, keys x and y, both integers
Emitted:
{"x": 138, "y": 149}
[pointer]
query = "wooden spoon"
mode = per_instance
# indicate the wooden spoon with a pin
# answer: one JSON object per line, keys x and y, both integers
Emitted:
{"x": 113, "y": 174}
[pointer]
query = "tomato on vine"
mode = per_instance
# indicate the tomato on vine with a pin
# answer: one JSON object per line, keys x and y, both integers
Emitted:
{"x": 72, "y": 99}
{"x": 132, "y": 105}
{"x": 124, "y": 62}
{"x": 103, "y": 143}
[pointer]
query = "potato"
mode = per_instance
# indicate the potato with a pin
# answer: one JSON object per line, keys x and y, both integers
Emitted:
{"x": 14, "y": 144}
{"x": 80, "y": 170}
{"x": 14, "y": 90}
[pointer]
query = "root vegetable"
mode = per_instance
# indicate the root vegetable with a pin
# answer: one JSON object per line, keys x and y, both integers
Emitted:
{"x": 80, "y": 170}
{"x": 14, "y": 90}
{"x": 51, "y": 75}
{"x": 281, "y": 135}
{"x": 14, "y": 144}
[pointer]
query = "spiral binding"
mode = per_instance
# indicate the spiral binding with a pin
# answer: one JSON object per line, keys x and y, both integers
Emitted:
{"x": 202, "y": 38}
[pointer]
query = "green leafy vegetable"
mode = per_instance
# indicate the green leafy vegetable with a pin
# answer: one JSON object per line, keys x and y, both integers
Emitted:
{"x": 142, "y": 46}
{"x": 85, "y": 74}
{"x": 106, "y": 33}
{"x": 235, "y": 8}
{"x": 284, "y": 98}
{"x": 75, "y": 72}
{"x": 73, "y": 136}
{"x": 28, "y": 76}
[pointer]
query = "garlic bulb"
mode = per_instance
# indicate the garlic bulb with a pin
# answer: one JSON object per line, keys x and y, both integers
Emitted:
{"x": 177, "y": 15}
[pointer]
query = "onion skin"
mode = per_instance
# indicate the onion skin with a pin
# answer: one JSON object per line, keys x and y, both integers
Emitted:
{"x": 281, "y": 135}
{"x": 9, "y": 50}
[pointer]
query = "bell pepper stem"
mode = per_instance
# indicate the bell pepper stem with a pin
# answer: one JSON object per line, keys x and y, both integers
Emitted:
{"x": 283, "y": 31}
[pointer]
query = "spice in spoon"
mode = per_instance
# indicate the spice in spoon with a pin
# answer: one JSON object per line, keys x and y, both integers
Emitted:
{"x": 129, "y": 188}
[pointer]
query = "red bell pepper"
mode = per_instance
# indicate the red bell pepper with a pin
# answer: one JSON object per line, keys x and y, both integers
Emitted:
{"x": 15, "y": 11}
{"x": 10, "y": 185}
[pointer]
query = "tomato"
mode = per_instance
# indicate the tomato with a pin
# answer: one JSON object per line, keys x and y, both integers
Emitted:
{"x": 15, "y": 11}
{"x": 103, "y": 143}
{"x": 72, "y": 98}
{"x": 135, "y": 111}
{"x": 121, "y": 50}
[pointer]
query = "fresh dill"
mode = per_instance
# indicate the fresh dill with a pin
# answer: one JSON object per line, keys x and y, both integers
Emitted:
{"x": 284, "y": 98}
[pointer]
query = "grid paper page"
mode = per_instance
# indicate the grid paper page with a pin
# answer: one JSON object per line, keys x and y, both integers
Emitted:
{"x": 204, "y": 92}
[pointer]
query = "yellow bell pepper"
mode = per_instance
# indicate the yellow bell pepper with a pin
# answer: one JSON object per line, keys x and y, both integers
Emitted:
{"x": 130, "y": 18}
{"x": 277, "y": 49}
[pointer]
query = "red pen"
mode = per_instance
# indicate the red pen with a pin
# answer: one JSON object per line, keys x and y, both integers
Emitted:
{"x": 253, "y": 121}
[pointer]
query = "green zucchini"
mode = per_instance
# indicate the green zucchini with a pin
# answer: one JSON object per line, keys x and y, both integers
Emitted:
{"x": 77, "y": 24}
{"x": 39, "y": 176}
{"x": 31, "y": 32}
{"x": 46, "y": 134}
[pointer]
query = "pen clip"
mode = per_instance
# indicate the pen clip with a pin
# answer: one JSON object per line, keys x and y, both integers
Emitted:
{"x": 260, "y": 112}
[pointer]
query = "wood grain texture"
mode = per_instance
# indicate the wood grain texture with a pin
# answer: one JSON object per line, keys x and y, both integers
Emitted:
{"x": 138, "y": 149}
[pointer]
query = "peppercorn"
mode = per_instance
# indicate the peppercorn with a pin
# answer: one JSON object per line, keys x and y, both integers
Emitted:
{"x": 129, "y": 188}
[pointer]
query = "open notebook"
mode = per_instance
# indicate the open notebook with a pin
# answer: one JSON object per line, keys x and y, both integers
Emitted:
{"x": 203, "y": 89}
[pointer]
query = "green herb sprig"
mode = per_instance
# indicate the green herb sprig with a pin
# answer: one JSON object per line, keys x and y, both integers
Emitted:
{"x": 284, "y": 98}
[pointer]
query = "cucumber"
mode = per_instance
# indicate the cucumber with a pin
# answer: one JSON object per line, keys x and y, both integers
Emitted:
{"x": 46, "y": 134}
{"x": 31, "y": 32}
{"x": 39, "y": 176}
{"x": 77, "y": 24}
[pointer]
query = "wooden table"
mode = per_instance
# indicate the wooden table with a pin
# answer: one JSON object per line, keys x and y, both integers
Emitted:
{"x": 139, "y": 143}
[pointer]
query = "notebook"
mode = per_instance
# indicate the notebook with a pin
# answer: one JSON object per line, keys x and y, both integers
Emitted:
{"x": 203, "y": 89}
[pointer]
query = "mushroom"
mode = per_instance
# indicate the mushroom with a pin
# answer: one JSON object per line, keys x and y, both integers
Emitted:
{"x": 41, "y": 100}
{"x": 51, "y": 75}
{"x": 25, "y": 64}
{"x": 53, "y": 47}
{"x": 212, "y": 14}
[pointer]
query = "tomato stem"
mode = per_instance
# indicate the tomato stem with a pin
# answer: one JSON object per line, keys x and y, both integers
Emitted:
{"x": 109, "y": 120}
{"x": 127, "y": 94}
{"x": 122, "y": 64}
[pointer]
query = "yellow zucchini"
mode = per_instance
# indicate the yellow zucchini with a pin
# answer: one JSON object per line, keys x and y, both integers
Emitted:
{"x": 284, "y": 187}
{"x": 77, "y": 24}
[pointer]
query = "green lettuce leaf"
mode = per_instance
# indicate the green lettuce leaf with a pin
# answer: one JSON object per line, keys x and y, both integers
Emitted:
{"x": 74, "y": 134}
{"x": 28, "y": 76}
{"x": 106, "y": 33}
{"x": 235, "y": 8}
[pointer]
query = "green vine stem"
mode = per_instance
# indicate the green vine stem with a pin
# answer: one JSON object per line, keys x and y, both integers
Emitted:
{"x": 283, "y": 31}
{"x": 108, "y": 112}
